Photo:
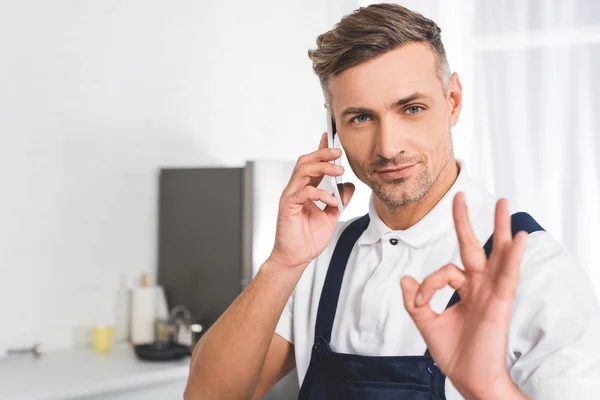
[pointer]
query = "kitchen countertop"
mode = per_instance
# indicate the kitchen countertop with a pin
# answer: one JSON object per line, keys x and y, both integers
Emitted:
{"x": 72, "y": 374}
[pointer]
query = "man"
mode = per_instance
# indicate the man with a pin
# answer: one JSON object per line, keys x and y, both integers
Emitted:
{"x": 342, "y": 302}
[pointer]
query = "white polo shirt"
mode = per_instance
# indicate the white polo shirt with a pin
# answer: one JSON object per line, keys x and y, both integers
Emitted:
{"x": 553, "y": 348}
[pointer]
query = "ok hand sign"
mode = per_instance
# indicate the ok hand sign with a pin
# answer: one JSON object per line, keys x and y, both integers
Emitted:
{"x": 468, "y": 341}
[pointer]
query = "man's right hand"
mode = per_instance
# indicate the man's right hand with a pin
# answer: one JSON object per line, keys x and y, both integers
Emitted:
{"x": 240, "y": 355}
{"x": 303, "y": 229}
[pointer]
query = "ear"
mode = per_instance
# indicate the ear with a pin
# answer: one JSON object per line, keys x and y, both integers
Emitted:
{"x": 325, "y": 105}
{"x": 454, "y": 98}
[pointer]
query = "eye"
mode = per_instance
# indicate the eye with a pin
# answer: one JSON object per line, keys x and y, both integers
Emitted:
{"x": 414, "y": 110}
{"x": 361, "y": 119}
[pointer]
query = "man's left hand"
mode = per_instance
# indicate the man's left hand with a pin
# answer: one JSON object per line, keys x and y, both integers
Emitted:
{"x": 468, "y": 341}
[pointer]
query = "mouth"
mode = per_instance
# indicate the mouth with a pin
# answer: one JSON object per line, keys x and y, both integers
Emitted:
{"x": 401, "y": 171}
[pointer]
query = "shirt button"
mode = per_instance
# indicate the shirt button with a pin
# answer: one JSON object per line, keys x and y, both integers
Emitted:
{"x": 393, "y": 241}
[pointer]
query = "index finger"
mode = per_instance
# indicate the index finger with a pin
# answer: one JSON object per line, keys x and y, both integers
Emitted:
{"x": 471, "y": 253}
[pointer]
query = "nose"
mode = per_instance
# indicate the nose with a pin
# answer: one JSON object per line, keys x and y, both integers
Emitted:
{"x": 389, "y": 139}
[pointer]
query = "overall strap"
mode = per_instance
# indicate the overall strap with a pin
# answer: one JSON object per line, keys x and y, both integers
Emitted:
{"x": 333, "y": 281}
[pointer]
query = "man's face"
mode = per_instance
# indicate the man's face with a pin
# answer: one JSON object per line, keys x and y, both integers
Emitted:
{"x": 394, "y": 121}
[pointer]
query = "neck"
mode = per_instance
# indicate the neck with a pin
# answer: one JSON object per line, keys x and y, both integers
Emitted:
{"x": 401, "y": 218}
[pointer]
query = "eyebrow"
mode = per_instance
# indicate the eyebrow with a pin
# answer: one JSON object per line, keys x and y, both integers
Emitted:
{"x": 399, "y": 103}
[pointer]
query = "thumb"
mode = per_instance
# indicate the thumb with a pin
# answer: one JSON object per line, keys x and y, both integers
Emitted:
{"x": 422, "y": 315}
{"x": 347, "y": 192}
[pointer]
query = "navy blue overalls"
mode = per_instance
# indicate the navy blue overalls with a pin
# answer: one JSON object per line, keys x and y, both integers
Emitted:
{"x": 339, "y": 376}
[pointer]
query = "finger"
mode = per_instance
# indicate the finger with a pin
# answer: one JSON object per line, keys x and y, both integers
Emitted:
{"x": 422, "y": 316}
{"x": 347, "y": 194}
{"x": 471, "y": 252}
{"x": 322, "y": 154}
{"x": 510, "y": 266}
{"x": 502, "y": 227}
{"x": 309, "y": 194}
{"x": 449, "y": 274}
{"x": 312, "y": 174}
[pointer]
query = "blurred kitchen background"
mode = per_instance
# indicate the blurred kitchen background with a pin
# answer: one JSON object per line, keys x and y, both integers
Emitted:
{"x": 153, "y": 138}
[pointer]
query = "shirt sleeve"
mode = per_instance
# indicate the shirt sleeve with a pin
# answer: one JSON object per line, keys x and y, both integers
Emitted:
{"x": 555, "y": 328}
{"x": 285, "y": 326}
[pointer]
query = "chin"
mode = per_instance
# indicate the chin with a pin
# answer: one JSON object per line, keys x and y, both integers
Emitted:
{"x": 396, "y": 199}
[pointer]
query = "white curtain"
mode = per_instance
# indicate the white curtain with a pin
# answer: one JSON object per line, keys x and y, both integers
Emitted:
{"x": 536, "y": 123}
{"x": 530, "y": 126}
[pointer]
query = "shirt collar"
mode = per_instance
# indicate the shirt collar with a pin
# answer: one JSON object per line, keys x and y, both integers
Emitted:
{"x": 434, "y": 224}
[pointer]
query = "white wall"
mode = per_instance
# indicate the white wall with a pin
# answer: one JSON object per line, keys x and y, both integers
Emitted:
{"x": 95, "y": 97}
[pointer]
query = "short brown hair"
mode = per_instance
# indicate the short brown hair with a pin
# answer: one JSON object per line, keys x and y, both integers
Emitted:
{"x": 370, "y": 32}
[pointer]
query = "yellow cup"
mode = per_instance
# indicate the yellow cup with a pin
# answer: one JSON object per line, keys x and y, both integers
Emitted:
{"x": 102, "y": 337}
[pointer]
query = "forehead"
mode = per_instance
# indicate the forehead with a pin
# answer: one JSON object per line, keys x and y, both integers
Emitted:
{"x": 383, "y": 80}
